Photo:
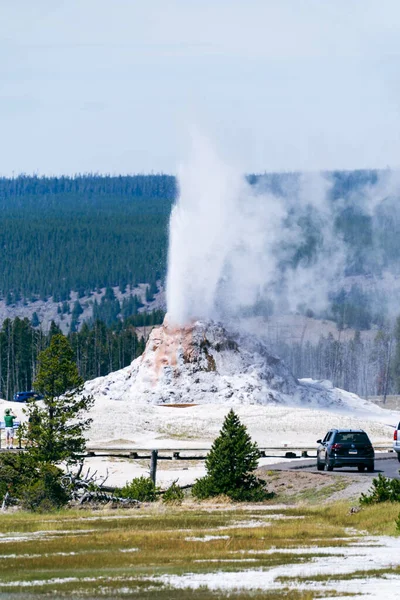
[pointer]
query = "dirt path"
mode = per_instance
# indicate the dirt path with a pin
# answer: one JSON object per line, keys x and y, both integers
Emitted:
{"x": 292, "y": 487}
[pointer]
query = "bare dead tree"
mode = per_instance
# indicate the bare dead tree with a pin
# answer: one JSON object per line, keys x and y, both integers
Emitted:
{"x": 88, "y": 487}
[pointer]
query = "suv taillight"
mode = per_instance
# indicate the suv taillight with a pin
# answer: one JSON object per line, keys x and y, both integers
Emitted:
{"x": 395, "y": 435}
{"x": 336, "y": 446}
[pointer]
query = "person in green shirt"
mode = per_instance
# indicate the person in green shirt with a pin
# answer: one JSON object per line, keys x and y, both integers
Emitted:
{"x": 9, "y": 418}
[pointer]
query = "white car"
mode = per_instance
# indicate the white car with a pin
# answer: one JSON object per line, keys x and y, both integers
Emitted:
{"x": 396, "y": 441}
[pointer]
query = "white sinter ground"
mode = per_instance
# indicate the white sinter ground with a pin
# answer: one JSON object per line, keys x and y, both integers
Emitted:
{"x": 362, "y": 555}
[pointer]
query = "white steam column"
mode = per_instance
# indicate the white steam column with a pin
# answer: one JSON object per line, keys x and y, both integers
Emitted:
{"x": 232, "y": 244}
{"x": 202, "y": 232}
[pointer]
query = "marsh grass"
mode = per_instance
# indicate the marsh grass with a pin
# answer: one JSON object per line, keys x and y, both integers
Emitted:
{"x": 311, "y": 495}
{"x": 104, "y": 553}
{"x": 376, "y": 519}
{"x": 360, "y": 574}
{"x": 67, "y": 521}
{"x": 147, "y": 590}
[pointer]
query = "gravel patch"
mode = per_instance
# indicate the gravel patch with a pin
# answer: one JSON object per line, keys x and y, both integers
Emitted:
{"x": 291, "y": 487}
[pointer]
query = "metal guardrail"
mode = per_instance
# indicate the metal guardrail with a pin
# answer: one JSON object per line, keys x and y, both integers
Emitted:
{"x": 135, "y": 453}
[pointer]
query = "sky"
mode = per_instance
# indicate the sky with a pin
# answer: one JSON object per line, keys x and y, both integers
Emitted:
{"x": 117, "y": 86}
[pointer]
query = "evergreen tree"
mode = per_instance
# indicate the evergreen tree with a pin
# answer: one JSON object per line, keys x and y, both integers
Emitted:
{"x": 98, "y": 348}
{"x": 55, "y": 432}
{"x": 230, "y": 465}
{"x": 381, "y": 357}
{"x": 109, "y": 294}
{"x": 396, "y": 357}
{"x": 109, "y": 308}
{"x": 76, "y": 312}
{"x": 35, "y": 320}
{"x": 130, "y": 306}
{"x": 54, "y": 330}
{"x": 65, "y": 307}
{"x": 150, "y": 291}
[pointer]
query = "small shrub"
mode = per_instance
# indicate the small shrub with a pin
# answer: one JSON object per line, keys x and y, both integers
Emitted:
{"x": 383, "y": 490}
{"x": 173, "y": 495}
{"x": 140, "y": 488}
{"x": 253, "y": 490}
{"x": 8, "y": 480}
{"x": 45, "y": 493}
{"x": 17, "y": 472}
{"x": 205, "y": 488}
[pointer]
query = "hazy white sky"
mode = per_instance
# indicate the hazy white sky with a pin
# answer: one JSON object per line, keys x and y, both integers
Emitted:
{"x": 116, "y": 85}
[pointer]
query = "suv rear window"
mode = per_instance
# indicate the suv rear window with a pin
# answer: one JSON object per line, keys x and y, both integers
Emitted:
{"x": 352, "y": 437}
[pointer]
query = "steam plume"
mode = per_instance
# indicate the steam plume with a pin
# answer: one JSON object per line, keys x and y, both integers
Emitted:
{"x": 233, "y": 245}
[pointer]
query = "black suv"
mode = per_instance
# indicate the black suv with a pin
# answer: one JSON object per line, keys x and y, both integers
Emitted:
{"x": 345, "y": 448}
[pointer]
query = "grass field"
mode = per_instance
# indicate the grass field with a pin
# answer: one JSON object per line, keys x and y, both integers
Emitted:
{"x": 152, "y": 551}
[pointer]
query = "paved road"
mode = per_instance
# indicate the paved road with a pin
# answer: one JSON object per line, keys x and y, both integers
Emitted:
{"x": 385, "y": 463}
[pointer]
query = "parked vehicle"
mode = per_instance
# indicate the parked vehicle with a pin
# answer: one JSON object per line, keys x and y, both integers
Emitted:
{"x": 396, "y": 441}
{"x": 345, "y": 448}
{"x": 25, "y": 396}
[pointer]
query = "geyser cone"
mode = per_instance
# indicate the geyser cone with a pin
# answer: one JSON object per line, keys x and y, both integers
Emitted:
{"x": 201, "y": 362}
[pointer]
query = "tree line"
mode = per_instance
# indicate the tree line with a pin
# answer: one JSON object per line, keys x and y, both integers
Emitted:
{"x": 98, "y": 349}
{"x": 366, "y": 365}
{"x": 63, "y": 234}
{"x": 90, "y": 186}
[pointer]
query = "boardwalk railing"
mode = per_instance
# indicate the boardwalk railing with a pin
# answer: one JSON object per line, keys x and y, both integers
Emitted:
{"x": 285, "y": 451}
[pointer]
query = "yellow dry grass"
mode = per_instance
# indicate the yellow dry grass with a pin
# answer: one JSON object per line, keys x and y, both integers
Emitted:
{"x": 116, "y": 553}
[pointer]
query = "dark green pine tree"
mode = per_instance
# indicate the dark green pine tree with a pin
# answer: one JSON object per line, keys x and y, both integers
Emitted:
{"x": 54, "y": 330}
{"x": 230, "y": 465}
{"x": 149, "y": 295}
{"x": 395, "y": 367}
{"x": 9, "y": 299}
{"x": 76, "y": 312}
{"x": 55, "y": 431}
{"x": 35, "y": 320}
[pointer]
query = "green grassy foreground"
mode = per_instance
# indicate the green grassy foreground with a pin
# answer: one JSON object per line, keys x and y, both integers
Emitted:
{"x": 117, "y": 554}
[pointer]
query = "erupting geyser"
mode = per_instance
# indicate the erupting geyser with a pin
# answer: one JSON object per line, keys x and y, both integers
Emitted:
{"x": 233, "y": 245}
{"x": 201, "y": 234}
{"x": 221, "y": 236}
{"x": 224, "y": 250}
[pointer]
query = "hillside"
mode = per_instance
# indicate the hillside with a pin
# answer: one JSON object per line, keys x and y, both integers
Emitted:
{"x": 59, "y": 235}
{"x": 85, "y": 233}
{"x": 91, "y": 307}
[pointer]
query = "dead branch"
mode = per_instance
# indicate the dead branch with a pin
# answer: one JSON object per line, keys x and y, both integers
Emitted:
{"x": 4, "y": 503}
{"x": 88, "y": 488}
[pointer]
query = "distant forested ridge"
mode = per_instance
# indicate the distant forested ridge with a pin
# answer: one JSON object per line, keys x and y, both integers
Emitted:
{"x": 90, "y": 232}
{"x": 80, "y": 233}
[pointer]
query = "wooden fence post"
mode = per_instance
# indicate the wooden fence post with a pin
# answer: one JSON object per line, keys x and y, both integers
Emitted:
{"x": 153, "y": 465}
